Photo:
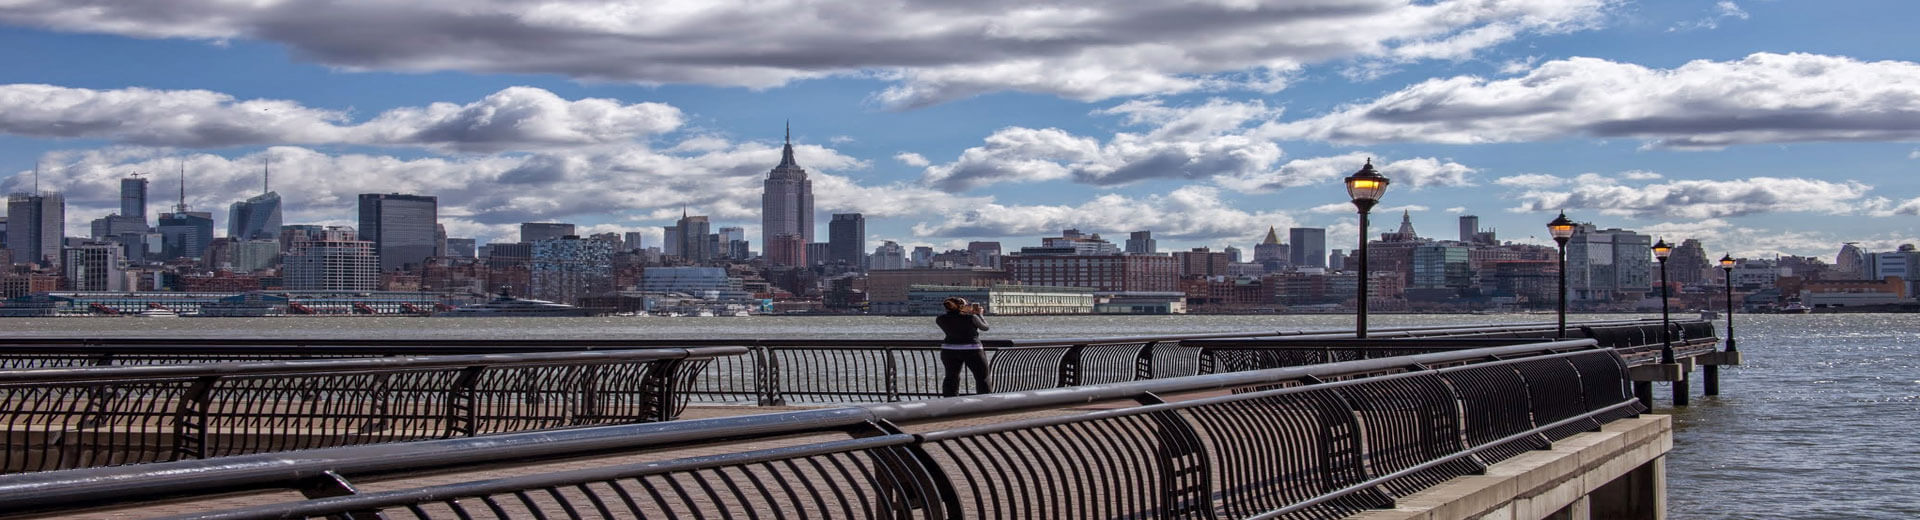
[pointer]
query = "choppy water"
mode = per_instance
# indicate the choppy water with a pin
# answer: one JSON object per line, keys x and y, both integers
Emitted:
{"x": 1821, "y": 421}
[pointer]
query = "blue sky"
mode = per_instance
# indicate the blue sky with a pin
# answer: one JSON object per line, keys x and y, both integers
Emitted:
{"x": 1758, "y": 127}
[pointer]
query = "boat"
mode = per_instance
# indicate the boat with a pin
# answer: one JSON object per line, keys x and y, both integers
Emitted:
{"x": 1795, "y": 307}
{"x": 155, "y": 313}
{"x": 703, "y": 313}
{"x": 507, "y": 306}
{"x": 1708, "y": 314}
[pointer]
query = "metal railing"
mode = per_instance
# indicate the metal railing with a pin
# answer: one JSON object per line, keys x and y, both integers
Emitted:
{"x": 1302, "y": 442}
{"x": 1637, "y": 343}
{"x": 59, "y": 418}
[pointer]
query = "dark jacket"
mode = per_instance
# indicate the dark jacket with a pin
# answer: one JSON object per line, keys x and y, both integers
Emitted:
{"x": 961, "y": 329}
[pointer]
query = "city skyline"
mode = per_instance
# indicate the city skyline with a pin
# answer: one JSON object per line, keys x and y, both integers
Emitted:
{"x": 1773, "y": 130}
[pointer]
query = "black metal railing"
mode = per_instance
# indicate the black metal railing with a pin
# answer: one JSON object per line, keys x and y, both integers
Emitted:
{"x": 1303, "y": 442}
{"x": 59, "y": 418}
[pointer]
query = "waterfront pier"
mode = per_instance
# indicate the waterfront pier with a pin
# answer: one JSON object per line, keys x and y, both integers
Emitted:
{"x": 1433, "y": 422}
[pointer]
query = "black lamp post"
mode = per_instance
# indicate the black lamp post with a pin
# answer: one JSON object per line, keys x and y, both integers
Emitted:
{"x": 1562, "y": 229}
{"x": 1660, "y": 252}
{"x": 1726, "y": 264}
{"x": 1365, "y": 187}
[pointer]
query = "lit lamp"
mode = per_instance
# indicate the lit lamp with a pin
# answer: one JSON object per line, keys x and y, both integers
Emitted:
{"x": 1365, "y": 187}
{"x": 1726, "y": 264}
{"x": 1660, "y": 252}
{"x": 1562, "y": 229}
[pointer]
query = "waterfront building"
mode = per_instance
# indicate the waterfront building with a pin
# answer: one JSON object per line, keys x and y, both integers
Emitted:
{"x": 256, "y": 217}
{"x": 401, "y": 227}
{"x": 1002, "y": 299}
{"x": 1608, "y": 264}
{"x": 887, "y": 289}
{"x": 711, "y": 283}
{"x": 1117, "y": 272}
{"x": 1201, "y": 262}
{"x": 1142, "y": 243}
{"x": 256, "y": 254}
{"x": 334, "y": 259}
{"x": 460, "y": 248}
{"x": 787, "y": 249}
{"x": 1534, "y": 281}
{"x": 888, "y": 256}
{"x": 1307, "y": 247}
{"x": 95, "y": 266}
{"x": 1821, "y": 294}
{"x": 569, "y": 268}
{"x": 36, "y": 225}
{"x": 532, "y": 232}
{"x": 1441, "y": 266}
{"x": 1851, "y": 263}
{"x": 786, "y": 201}
{"x": 1140, "y": 302}
{"x": 14, "y": 285}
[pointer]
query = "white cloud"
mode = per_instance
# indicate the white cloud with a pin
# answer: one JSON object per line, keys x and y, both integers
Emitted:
{"x": 1640, "y": 175}
{"x": 1530, "y": 181}
{"x": 931, "y": 52}
{"x": 1189, "y": 213}
{"x": 1763, "y": 98}
{"x": 1415, "y": 173}
{"x": 1723, "y": 10}
{"x": 1910, "y": 207}
{"x": 1691, "y": 199}
{"x": 1913, "y": 154}
{"x": 513, "y": 118}
{"x": 912, "y": 159}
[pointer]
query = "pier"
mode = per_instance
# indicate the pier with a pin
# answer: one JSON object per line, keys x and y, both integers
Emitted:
{"x": 1422, "y": 422}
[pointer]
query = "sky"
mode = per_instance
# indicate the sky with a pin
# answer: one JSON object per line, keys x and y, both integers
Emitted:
{"x": 1759, "y": 127}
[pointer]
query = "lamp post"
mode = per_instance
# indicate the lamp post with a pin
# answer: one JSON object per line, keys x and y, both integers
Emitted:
{"x": 1660, "y": 252}
{"x": 1365, "y": 187}
{"x": 1562, "y": 229}
{"x": 1726, "y": 264}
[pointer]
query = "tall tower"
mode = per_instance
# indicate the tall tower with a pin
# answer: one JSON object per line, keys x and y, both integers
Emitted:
{"x": 133, "y": 198}
{"x": 847, "y": 239}
{"x": 786, "y": 205}
{"x": 1309, "y": 247}
{"x": 183, "y": 233}
{"x": 36, "y": 224}
{"x": 1469, "y": 226}
{"x": 1270, "y": 248}
{"x": 257, "y": 217}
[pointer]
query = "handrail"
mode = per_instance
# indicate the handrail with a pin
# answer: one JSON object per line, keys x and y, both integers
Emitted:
{"x": 76, "y": 417}
{"x": 93, "y": 486}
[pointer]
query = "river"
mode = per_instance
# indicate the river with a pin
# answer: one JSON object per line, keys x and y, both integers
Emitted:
{"x": 1819, "y": 423}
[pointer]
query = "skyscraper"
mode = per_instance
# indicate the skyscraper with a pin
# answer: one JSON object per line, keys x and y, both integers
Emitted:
{"x": 401, "y": 227}
{"x": 847, "y": 239}
{"x": 786, "y": 205}
{"x": 633, "y": 241}
{"x": 133, "y": 198}
{"x": 257, "y": 217}
{"x": 1309, "y": 247}
{"x": 1469, "y": 225}
{"x": 695, "y": 245}
{"x": 36, "y": 224}
{"x": 95, "y": 266}
{"x": 1269, "y": 249}
{"x": 1142, "y": 243}
{"x": 184, "y": 234}
{"x": 531, "y": 232}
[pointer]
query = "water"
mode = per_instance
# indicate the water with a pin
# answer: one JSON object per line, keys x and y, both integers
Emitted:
{"x": 1819, "y": 423}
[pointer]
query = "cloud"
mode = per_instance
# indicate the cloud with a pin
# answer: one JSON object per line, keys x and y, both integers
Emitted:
{"x": 1189, "y": 213}
{"x": 1763, "y": 98}
{"x": 928, "y": 52}
{"x": 1723, "y": 10}
{"x": 1530, "y": 181}
{"x": 1911, "y": 207}
{"x": 1691, "y": 199}
{"x": 912, "y": 159}
{"x": 514, "y": 118}
{"x": 1415, "y": 173}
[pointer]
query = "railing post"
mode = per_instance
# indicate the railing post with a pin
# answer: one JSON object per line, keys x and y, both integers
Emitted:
{"x": 893, "y": 374}
{"x": 768, "y": 369}
{"x": 1070, "y": 367}
{"x": 461, "y": 407}
{"x": 1143, "y": 362}
{"x": 591, "y": 408}
{"x": 190, "y": 419}
{"x": 381, "y": 394}
{"x": 657, "y": 390}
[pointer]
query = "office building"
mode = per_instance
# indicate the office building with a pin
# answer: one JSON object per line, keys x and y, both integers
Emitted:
{"x": 787, "y": 249}
{"x": 670, "y": 240}
{"x": 1270, "y": 249}
{"x": 1307, "y": 247}
{"x": 921, "y": 257}
{"x": 531, "y": 232}
{"x": 133, "y": 198}
{"x": 632, "y": 242}
{"x": 334, "y": 259}
{"x": 36, "y": 226}
{"x": 1200, "y": 262}
{"x": 786, "y": 203}
{"x": 695, "y": 244}
{"x": 1120, "y": 272}
{"x": 985, "y": 254}
{"x": 569, "y": 269}
{"x": 254, "y": 255}
{"x": 95, "y": 266}
{"x": 888, "y": 256}
{"x": 818, "y": 252}
{"x": 460, "y": 247}
{"x": 256, "y": 217}
{"x": 847, "y": 239}
{"x": 184, "y": 234}
{"x": 403, "y": 228}
{"x": 1608, "y": 264}
{"x": 1142, "y": 243}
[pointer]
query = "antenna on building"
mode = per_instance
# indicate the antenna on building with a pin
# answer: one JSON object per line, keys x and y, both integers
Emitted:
{"x": 266, "y": 173}
{"x": 182, "y": 208}
{"x": 36, "y": 177}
